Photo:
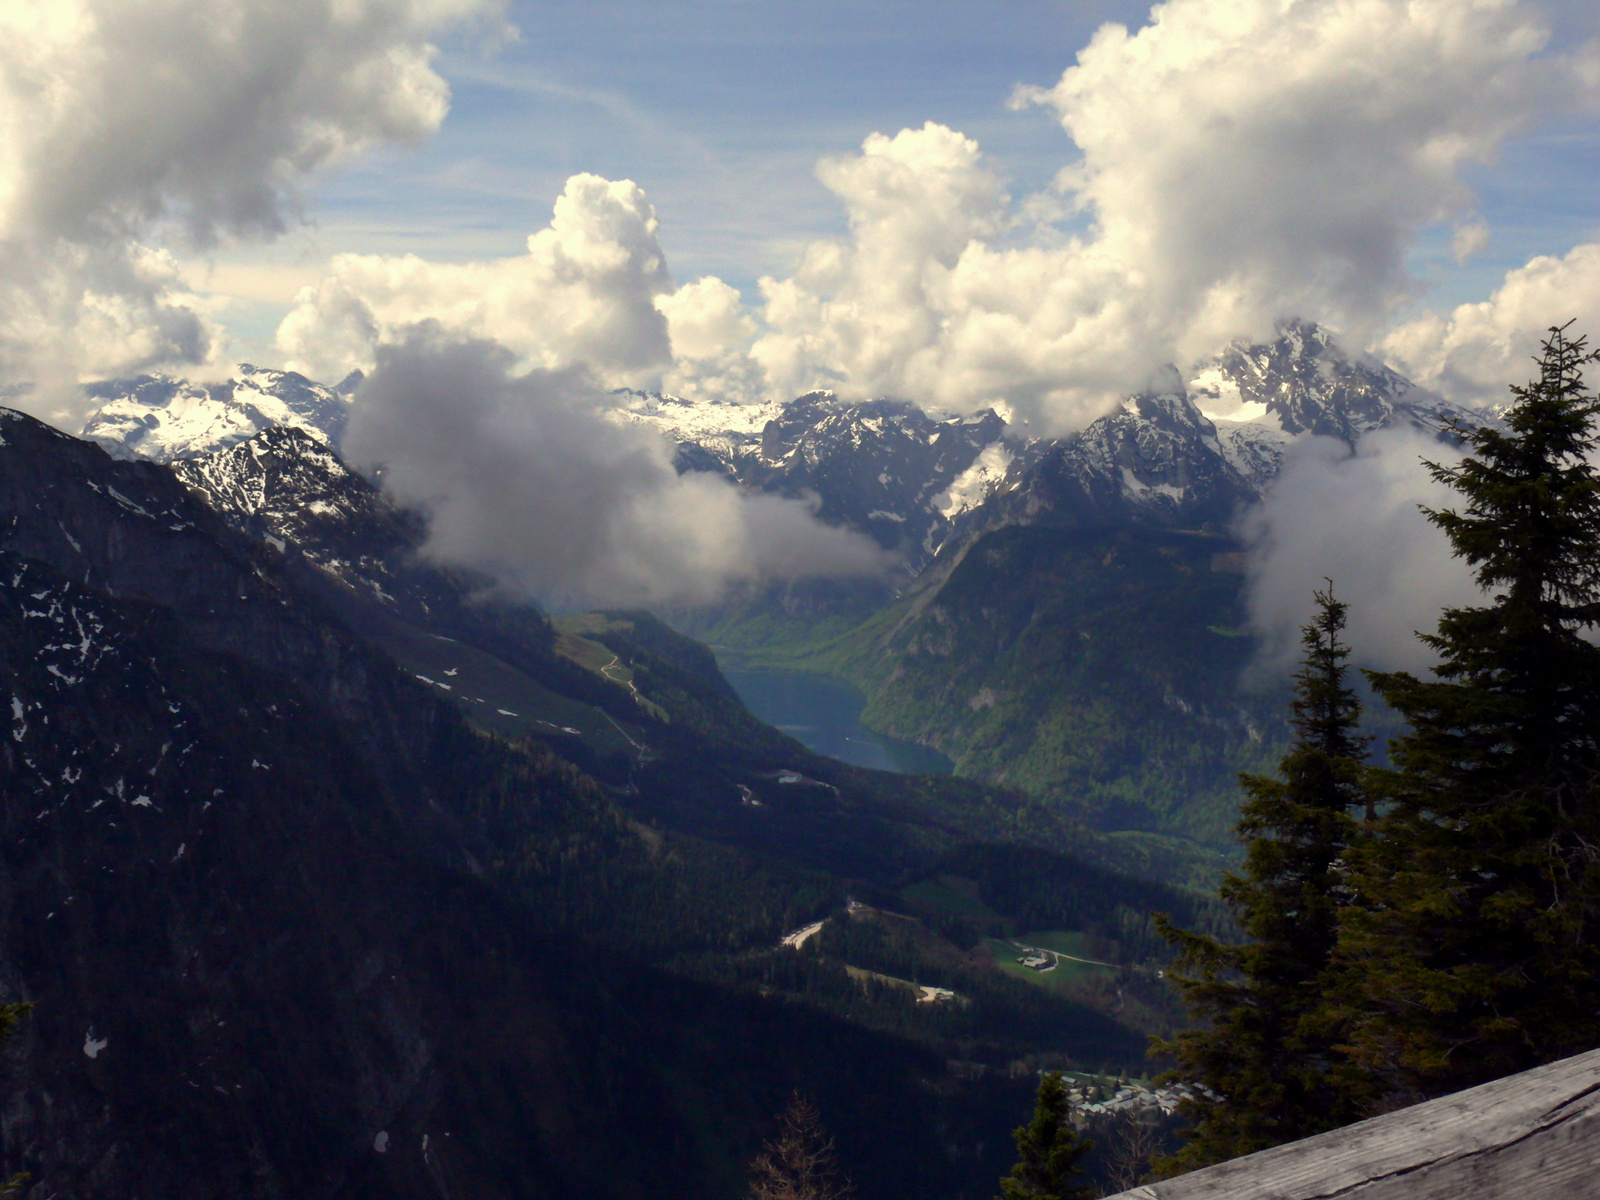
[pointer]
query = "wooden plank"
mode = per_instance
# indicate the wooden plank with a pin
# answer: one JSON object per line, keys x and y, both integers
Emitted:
{"x": 1533, "y": 1136}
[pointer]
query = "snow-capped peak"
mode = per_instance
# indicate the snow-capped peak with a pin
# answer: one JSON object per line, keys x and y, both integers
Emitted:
{"x": 1264, "y": 396}
{"x": 164, "y": 418}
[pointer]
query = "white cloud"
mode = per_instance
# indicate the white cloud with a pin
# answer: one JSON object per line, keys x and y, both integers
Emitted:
{"x": 583, "y": 294}
{"x": 920, "y": 303}
{"x": 130, "y": 125}
{"x": 1475, "y": 353}
{"x": 1356, "y": 519}
{"x": 522, "y": 476}
{"x": 1241, "y": 162}
{"x": 711, "y": 335}
{"x": 1468, "y": 239}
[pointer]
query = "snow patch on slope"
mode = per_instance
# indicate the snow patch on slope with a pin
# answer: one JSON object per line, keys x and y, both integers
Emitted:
{"x": 163, "y": 418}
{"x": 970, "y": 488}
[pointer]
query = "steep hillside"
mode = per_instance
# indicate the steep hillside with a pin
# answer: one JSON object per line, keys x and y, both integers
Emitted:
{"x": 1097, "y": 669}
{"x": 1080, "y": 632}
{"x": 292, "y": 926}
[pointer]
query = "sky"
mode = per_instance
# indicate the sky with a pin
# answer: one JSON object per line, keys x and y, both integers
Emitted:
{"x": 721, "y": 111}
{"x": 1031, "y": 205}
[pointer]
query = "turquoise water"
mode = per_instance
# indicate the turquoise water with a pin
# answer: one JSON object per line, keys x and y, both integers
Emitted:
{"x": 825, "y": 714}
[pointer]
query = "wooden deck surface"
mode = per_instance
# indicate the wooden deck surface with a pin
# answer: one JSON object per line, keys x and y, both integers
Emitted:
{"x": 1533, "y": 1136}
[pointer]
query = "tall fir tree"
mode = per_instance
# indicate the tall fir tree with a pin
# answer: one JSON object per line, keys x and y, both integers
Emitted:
{"x": 1266, "y": 1054}
{"x": 17, "y": 1185}
{"x": 798, "y": 1164}
{"x": 1050, "y": 1152}
{"x": 1474, "y": 950}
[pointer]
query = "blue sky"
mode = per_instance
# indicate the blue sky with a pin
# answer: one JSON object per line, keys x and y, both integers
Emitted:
{"x": 721, "y": 109}
{"x": 1219, "y": 166}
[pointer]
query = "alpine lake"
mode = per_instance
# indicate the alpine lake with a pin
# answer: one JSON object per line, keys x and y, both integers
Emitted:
{"x": 824, "y": 713}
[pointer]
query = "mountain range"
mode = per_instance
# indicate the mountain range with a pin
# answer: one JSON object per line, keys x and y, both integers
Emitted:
{"x": 328, "y": 874}
{"x": 1108, "y": 551}
{"x": 333, "y": 871}
{"x": 1182, "y": 456}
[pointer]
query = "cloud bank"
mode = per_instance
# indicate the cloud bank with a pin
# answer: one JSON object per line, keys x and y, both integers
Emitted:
{"x": 523, "y": 477}
{"x": 582, "y": 295}
{"x": 1355, "y": 519}
{"x": 1237, "y": 163}
{"x": 130, "y": 125}
{"x": 1477, "y": 351}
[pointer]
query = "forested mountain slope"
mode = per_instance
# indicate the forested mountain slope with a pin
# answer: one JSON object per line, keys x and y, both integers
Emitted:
{"x": 291, "y": 924}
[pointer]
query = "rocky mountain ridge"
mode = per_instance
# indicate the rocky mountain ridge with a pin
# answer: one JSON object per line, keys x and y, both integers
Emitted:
{"x": 166, "y": 419}
{"x": 1183, "y": 456}
{"x": 291, "y": 927}
{"x": 1186, "y": 455}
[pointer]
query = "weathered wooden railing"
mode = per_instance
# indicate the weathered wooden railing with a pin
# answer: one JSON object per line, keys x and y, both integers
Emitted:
{"x": 1533, "y": 1136}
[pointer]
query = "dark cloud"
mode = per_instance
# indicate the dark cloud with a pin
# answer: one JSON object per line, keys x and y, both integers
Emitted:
{"x": 1355, "y": 518}
{"x": 523, "y": 476}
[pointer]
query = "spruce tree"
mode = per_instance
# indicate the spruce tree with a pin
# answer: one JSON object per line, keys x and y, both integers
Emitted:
{"x": 14, "y": 1187}
{"x": 1050, "y": 1152}
{"x": 1266, "y": 1054}
{"x": 798, "y": 1164}
{"x": 1474, "y": 951}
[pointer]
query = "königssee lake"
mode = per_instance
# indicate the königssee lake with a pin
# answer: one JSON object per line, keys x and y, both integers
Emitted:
{"x": 825, "y": 714}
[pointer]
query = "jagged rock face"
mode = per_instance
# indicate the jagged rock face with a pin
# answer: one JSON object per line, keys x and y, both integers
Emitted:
{"x": 166, "y": 419}
{"x": 1308, "y": 385}
{"x": 882, "y": 466}
{"x": 1194, "y": 455}
{"x": 287, "y": 490}
{"x": 1155, "y": 461}
{"x": 1264, "y": 397}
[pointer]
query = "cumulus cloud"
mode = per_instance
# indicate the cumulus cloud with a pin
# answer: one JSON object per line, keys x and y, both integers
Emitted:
{"x": 129, "y": 125}
{"x": 1475, "y": 353}
{"x": 524, "y": 477}
{"x": 922, "y": 302}
{"x": 1240, "y": 162}
{"x": 593, "y": 290}
{"x": 711, "y": 334}
{"x": 1355, "y": 518}
{"x": 584, "y": 293}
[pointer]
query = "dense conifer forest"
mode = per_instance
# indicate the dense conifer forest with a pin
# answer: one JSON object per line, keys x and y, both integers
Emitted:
{"x": 1417, "y": 927}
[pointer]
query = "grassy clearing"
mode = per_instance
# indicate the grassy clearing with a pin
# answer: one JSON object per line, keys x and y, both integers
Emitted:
{"x": 861, "y": 975}
{"x": 497, "y": 697}
{"x": 597, "y": 657}
{"x": 1067, "y": 941}
{"x": 1066, "y": 974}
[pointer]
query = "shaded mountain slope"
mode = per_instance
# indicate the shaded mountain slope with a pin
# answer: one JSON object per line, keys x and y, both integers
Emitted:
{"x": 284, "y": 914}
{"x": 673, "y": 737}
{"x": 1095, "y": 669}
{"x": 251, "y": 978}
